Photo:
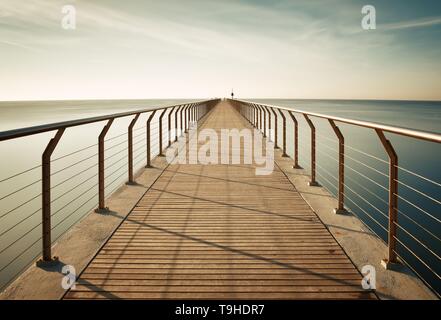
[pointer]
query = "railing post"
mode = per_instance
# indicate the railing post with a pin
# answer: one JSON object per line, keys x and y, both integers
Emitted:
{"x": 260, "y": 117}
{"x": 169, "y": 126}
{"x": 269, "y": 123}
{"x": 160, "y": 132}
{"x": 176, "y": 123}
{"x": 149, "y": 120}
{"x": 185, "y": 118}
{"x": 341, "y": 169}
{"x": 276, "y": 129}
{"x": 296, "y": 141}
{"x": 101, "y": 183}
{"x": 191, "y": 119}
{"x": 130, "y": 155}
{"x": 190, "y": 115}
{"x": 46, "y": 201}
{"x": 393, "y": 200}
{"x": 181, "y": 122}
{"x": 284, "y": 133}
{"x": 313, "y": 182}
{"x": 264, "y": 122}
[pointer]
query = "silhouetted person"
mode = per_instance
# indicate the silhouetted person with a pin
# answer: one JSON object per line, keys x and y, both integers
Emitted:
{"x": 232, "y": 94}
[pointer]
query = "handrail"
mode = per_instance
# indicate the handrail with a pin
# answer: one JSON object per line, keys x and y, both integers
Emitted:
{"x": 22, "y": 132}
{"x": 418, "y": 134}
{"x": 202, "y": 106}
{"x": 252, "y": 112}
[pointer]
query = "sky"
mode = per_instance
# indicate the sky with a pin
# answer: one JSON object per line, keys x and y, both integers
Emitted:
{"x": 305, "y": 49}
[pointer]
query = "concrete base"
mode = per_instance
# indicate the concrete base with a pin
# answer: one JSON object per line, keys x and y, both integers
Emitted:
{"x": 313, "y": 184}
{"x": 296, "y": 167}
{"x": 388, "y": 265}
{"x": 284, "y": 155}
{"x": 105, "y": 210}
{"x": 131, "y": 183}
{"x": 44, "y": 264}
{"x": 340, "y": 211}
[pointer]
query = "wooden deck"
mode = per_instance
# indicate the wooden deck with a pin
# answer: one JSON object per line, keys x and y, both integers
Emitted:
{"x": 221, "y": 232}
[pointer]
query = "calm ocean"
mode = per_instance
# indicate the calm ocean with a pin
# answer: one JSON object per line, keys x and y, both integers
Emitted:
{"x": 419, "y": 233}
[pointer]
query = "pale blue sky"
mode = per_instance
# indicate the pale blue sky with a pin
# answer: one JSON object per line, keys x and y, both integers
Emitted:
{"x": 203, "y": 48}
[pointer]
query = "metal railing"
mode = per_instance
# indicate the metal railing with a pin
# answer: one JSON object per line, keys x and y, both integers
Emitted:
{"x": 127, "y": 154}
{"x": 259, "y": 115}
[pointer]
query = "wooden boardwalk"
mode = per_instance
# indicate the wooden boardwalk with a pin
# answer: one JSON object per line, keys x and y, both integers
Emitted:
{"x": 221, "y": 232}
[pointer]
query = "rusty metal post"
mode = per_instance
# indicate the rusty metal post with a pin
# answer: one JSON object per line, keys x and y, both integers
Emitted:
{"x": 169, "y": 126}
{"x": 181, "y": 122}
{"x": 269, "y": 123}
{"x": 193, "y": 115}
{"x": 256, "y": 116}
{"x": 341, "y": 169}
{"x": 276, "y": 129}
{"x": 101, "y": 183}
{"x": 185, "y": 118}
{"x": 393, "y": 200}
{"x": 296, "y": 141}
{"x": 47, "y": 258}
{"x": 130, "y": 154}
{"x": 284, "y": 154}
{"x": 260, "y": 117}
{"x": 313, "y": 182}
{"x": 190, "y": 115}
{"x": 149, "y": 120}
{"x": 264, "y": 122}
{"x": 176, "y": 123}
{"x": 160, "y": 132}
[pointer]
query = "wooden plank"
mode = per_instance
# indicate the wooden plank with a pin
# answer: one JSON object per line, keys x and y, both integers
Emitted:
{"x": 221, "y": 232}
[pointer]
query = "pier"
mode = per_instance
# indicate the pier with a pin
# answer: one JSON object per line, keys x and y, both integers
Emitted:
{"x": 220, "y": 231}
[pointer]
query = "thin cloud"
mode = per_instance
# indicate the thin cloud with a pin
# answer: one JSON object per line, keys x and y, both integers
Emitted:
{"x": 419, "y": 23}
